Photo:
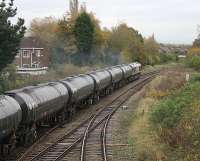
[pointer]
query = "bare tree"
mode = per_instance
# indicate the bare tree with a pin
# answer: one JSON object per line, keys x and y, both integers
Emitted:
{"x": 74, "y": 8}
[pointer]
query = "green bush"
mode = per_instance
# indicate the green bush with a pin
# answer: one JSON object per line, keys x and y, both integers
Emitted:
{"x": 167, "y": 57}
{"x": 168, "y": 112}
{"x": 193, "y": 61}
{"x": 10, "y": 80}
{"x": 176, "y": 121}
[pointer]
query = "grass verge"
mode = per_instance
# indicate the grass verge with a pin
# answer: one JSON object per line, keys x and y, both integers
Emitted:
{"x": 164, "y": 123}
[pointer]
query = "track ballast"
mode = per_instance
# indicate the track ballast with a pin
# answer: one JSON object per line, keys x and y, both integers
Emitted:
{"x": 87, "y": 142}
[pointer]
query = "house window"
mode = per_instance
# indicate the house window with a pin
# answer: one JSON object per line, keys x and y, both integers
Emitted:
{"x": 26, "y": 65}
{"x": 38, "y": 53}
{"x": 26, "y": 54}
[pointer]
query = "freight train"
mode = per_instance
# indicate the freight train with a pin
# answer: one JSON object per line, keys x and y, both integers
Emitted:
{"x": 24, "y": 110}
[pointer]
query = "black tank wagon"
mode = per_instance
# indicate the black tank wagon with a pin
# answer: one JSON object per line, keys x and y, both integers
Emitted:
{"x": 10, "y": 118}
{"x": 23, "y": 110}
{"x": 103, "y": 82}
{"x": 40, "y": 104}
{"x": 127, "y": 72}
{"x": 117, "y": 76}
{"x": 81, "y": 91}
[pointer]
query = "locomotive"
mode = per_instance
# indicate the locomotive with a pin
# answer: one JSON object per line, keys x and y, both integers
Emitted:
{"x": 24, "y": 110}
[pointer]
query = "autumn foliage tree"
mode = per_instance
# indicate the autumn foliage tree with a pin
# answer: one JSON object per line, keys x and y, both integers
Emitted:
{"x": 59, "y": 34}
{"x": 10, "y": 34}
{"x": 44, "y": 29}
{"x": 126, "y": 42}
{"x": 151, "y": 53}
{"x": 193, "y": 55}
{"x": 78, "y": 38}
{"x": 48, "y": 31}
{"x": 99, "y": 39}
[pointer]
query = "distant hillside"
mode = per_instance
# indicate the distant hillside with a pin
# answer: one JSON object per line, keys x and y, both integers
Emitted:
{"x": 171, "y": 48}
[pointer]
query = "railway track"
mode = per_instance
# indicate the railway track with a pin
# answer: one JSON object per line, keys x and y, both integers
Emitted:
{"x": 88, "y": 140}
{"x": 94, "y": 143}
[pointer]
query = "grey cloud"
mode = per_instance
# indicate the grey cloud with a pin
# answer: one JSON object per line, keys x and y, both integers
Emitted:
{"x": 171, "y": 20}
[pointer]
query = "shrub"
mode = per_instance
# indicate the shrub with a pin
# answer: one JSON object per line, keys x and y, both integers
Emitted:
{"x": 9, "y": 79}
{"x": 193, "y": 61}
{"x": 167, "y": 57}
{"x": 168, "y": 112}
{"x": 176, "y": 118}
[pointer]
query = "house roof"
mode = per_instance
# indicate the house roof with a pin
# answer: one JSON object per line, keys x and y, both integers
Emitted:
{"x": 31, "y": 42}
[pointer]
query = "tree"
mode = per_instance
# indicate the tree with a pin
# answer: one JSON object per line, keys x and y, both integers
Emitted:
{"x": 151, "y": 52}
{"x": 126, "y": 42}
{"x": 74, "y": 9}
{"x": 66, "y": 35}
{"x": 44, "y": 29}
{"x": 84, "y": 33}
{"x": 99, "y": 39}
{"x": 57, "y": 36}
{"x": 48, "y": 31}
{"x": 196, "y": 43}
{"x": 10, "y": 34}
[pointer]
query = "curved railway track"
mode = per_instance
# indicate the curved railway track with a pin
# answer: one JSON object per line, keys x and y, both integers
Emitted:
{"x": 88, "y": 140}
{"x": 93, "y": 146}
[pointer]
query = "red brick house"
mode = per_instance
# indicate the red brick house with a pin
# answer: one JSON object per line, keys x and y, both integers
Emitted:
{"x": 32, "y": 56}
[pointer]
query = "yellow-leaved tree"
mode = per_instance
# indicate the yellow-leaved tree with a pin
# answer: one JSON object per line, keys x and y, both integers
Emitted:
{"x": 127, "y": 42}
{"x": 151, "y": 50}
{"x": 193, "y": 55}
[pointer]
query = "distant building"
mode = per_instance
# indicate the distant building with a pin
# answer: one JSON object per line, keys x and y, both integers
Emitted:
{"x": 182, "y": 56}
{"x": 170, "y": 48}
{"x": 32, "y": 57}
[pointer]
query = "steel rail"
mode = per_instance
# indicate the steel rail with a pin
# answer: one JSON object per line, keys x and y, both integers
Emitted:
{"x": 104, "y": 130}
{"x": 88, "y": 130}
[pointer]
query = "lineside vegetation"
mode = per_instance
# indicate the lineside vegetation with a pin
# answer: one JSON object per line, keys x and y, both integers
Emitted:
{"x": 166, "y": 125}
{"x": 176, "y": 119}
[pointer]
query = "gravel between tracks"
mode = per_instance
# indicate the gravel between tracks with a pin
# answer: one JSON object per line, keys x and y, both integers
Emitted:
{"x": 120, "y": 147}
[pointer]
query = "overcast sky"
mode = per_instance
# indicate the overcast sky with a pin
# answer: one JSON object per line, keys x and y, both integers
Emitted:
{"x": 172, "y": 21}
